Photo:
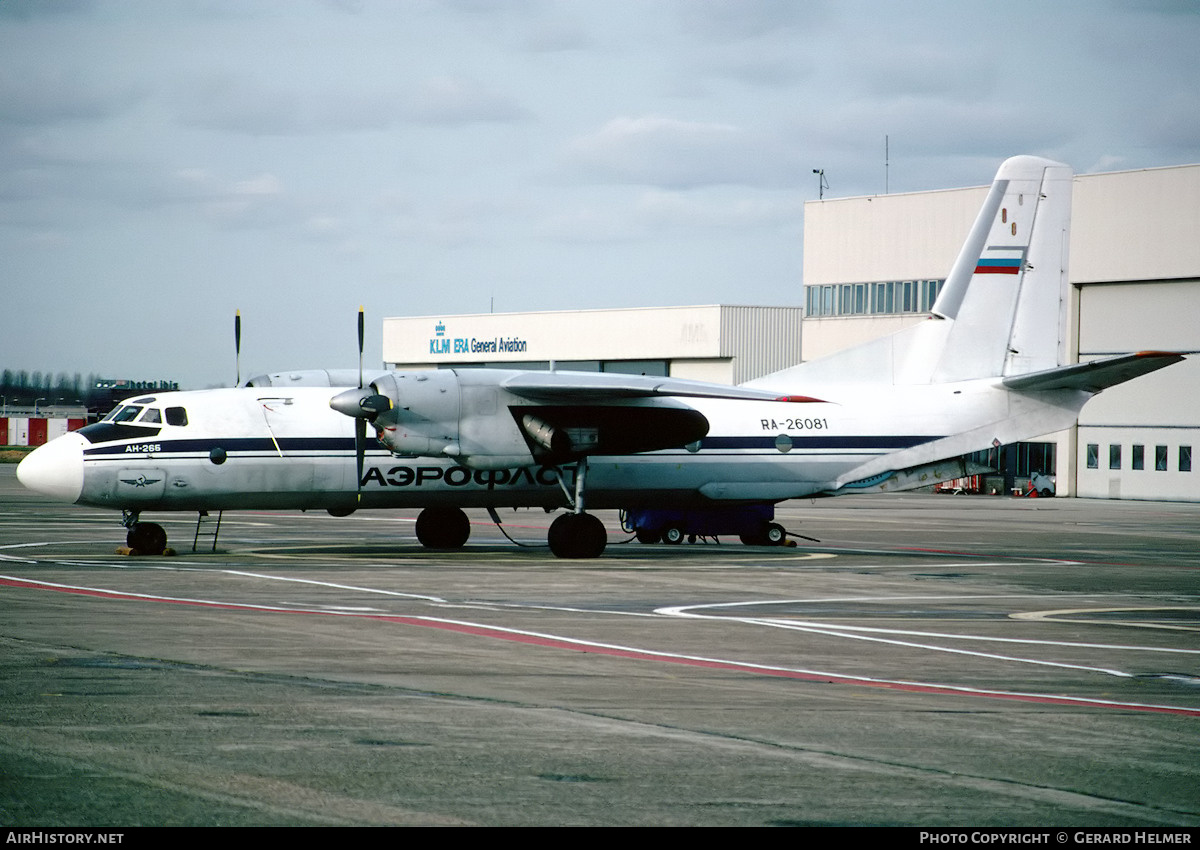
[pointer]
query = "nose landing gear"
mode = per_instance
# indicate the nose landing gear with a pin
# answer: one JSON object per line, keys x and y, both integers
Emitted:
{"x": 143, "y": 538}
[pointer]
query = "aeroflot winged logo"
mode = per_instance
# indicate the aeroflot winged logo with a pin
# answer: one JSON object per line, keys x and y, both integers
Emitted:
{"x": 140, "y": 481}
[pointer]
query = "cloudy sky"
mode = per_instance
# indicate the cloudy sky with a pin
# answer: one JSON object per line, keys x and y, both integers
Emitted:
{"x": 165, "y": 163}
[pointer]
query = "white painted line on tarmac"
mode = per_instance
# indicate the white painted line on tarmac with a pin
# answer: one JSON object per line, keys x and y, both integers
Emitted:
{"x": 336, "y": 586}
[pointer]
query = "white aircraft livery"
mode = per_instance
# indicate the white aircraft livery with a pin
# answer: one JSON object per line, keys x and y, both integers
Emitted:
{"x": 987, "y": 367}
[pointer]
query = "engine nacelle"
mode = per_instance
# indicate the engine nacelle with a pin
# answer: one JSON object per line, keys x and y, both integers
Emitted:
{"x": 444, "y": 413}
{"x": 423, "y": 419}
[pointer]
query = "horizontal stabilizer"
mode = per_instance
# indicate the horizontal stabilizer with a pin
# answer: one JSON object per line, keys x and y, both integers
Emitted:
{"x": 1094, "y": 376}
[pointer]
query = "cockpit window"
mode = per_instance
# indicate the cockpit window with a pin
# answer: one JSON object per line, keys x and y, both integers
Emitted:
{"x": 151, "y": 417}
{"x": 176, "y": 416}
{"x": 126, "y": 414}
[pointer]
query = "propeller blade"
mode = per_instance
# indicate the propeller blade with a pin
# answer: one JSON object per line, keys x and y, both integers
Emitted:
{"x": 237, "y": 345}
{"x": 360, "y": 449}
{"x": 360, "y": 347}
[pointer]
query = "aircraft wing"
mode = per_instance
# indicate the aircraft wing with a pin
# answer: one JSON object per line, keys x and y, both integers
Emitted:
{"x": 1094, "y": 376}
{"x": 559, "y": 387}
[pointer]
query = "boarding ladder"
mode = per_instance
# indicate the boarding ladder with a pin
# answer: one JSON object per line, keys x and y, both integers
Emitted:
{"x": 208, "y": 526}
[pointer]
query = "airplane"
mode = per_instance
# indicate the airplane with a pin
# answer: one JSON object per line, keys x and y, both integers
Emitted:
{"x": 987, "y": 367}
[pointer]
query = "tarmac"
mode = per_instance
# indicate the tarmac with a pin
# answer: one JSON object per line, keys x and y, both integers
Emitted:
{"x": 931, "y": 661}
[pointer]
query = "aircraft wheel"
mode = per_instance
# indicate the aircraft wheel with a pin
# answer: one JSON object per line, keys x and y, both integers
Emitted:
{"x": 647, "y": 535}
{"x": 771, "y": 534}
{"x": 146, "y": 538}
{"x": 673, "y": 534}
{"x": 443, "y": 528}
{"x": 577, "y": 536}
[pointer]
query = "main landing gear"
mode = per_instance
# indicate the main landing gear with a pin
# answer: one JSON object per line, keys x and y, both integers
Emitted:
{"x": 577, "y": 534}
{"x": 443, "y": 528}
{"x": 573, "y": 535}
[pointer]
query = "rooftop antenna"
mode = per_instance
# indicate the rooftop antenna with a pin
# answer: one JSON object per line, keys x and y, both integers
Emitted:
{"x": 822, "y": 183}
{"x": 887, "y": 164}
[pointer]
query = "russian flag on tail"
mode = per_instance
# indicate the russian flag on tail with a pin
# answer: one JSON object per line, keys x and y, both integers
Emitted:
{"x": 1006, "y": 260}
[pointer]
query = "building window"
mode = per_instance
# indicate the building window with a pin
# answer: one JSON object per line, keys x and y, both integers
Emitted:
{"x": 1114, "y": 456}
{"x": 894, "y": 297}
{"x": 1160, "y": 458}
{"x": 1093, "y": 455}
{"x": 1035, "y": 457}
{"x": 658, "y": 368}
{"x": 1139, "y": 456}
{"x": 1185, "y": 458}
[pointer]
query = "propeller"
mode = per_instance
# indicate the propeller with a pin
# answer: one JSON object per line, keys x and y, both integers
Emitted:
{"x": 363, "y": 405}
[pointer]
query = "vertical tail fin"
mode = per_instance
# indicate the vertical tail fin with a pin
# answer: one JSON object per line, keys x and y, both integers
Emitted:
{"x": 1003, "y": 309}
{"x": 1007, "y": 291}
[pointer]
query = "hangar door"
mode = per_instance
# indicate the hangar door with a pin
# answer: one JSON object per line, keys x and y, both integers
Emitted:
{"x": 1136, "y": 440}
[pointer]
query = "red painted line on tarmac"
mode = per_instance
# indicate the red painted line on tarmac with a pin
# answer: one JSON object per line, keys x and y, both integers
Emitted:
{"x": 552, "y": 642}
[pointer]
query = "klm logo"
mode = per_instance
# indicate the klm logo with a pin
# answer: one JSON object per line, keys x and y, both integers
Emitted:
{"x": 439, "y": 344}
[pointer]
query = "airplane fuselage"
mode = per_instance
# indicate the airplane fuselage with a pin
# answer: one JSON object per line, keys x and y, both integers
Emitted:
{"x": 252, "y": 448}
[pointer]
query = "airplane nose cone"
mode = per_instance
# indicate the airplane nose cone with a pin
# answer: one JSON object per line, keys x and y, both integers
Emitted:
{"x": 55, "y": 469}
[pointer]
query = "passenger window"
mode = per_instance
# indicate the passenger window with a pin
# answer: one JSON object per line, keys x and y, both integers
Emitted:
{"x": 1093, "y": 456}
{"x": 176, "y": 416}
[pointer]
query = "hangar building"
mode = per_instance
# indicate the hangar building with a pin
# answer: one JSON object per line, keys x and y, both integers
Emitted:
{"x": 874, "y": 265}
{"x": 722, "y": 344}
